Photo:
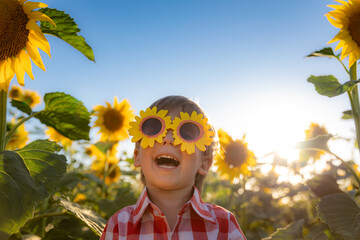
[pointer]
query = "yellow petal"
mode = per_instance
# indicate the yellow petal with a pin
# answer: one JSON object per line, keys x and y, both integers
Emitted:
{"x": 29, "y": 6}
{"x": 39, "y": 16}
{"x": 22, "y": 2}
{"x": 35, "y": 55}
{"x": 26, "y": 63}
{"x": 6, "y": 74}
{"x": 39, "y": 40}
{"x": 32, "y": 25}
{"x": 19, "y": 70}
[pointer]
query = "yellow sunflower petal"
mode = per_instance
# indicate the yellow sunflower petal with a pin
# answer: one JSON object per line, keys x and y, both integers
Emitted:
{"x": 26, "y": 63}
{"x": 39, "y": 41}
{"x": 35, "y": 55}
{"x": 29, "y": 6}
{"x": 6, "y": 74}
{"x": 19, "y": 70}
{"x": 39, "y": 16}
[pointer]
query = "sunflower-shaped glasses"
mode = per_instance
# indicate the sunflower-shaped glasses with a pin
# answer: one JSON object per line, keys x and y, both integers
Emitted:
{"x": 189, "y": 131}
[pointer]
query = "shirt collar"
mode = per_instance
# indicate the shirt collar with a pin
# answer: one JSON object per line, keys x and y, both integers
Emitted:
{"x": 201, "y": 208}
{"x": 197, "y": 204}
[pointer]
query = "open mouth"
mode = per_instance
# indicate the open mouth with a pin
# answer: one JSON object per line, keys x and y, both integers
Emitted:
{"x": 166, "y": 161}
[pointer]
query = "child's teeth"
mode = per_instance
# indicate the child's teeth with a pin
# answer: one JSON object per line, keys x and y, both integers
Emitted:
{"x": 167, "y": 166}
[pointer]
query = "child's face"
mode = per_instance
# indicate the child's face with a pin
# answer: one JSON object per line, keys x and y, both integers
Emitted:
{"x": 166, "y": 167}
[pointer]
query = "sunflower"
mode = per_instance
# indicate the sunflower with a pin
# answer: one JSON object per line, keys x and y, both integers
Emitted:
{"x": 58, "y": 137}
{"x": 114, "y": 173}
{"x": 20, "y": 38}
{"x": 234, "y": 158}
{"x": 32, "y": 98}
{"x": 136, "y": 127}
{"x": 19, "y": 138}
{"x": 347, "y": 18}
{"x": 114, "y": 121}
{"x": 15, "y": 92}
{"x": 313, "y": 131}
{"x": 205, "y": 137}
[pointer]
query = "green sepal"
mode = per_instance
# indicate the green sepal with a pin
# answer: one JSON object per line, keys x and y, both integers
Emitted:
{"x": 26, "y": 177}
{"x": 329, "y": 85}
{"x": 292, "y": 231}
{"x": 342, "y": 214}
{"x": 90, "y": 218}
{"x": 65, "y": 29}
{"x": 22, "y": 106}
{"x": 325, "y": 52}
{"x": 65, "y": 114}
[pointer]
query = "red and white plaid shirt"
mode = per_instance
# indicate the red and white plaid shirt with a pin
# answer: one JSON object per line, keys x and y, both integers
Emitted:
{"x": 196, "y": 220}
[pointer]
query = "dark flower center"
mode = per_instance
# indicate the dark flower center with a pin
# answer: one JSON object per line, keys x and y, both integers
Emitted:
{"x": 13, "y": 32}
{"x": 354, "y": 28}
{"x": 235, "y": 154}
{"x": 14, "y": 93}
{"x": 113, "y": 120}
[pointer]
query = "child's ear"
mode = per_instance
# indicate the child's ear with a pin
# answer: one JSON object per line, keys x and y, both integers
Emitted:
{"x": 137, "y": 155}
{"x": 205, "y": 165}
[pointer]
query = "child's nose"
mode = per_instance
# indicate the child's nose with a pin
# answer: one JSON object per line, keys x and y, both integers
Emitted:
{"x": 169, "y": 137}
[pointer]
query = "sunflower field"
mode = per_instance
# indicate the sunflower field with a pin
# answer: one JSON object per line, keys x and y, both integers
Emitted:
{"x": 58, "y": 182}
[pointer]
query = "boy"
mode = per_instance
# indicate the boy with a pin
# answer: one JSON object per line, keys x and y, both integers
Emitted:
{"x": 174, "y": 148}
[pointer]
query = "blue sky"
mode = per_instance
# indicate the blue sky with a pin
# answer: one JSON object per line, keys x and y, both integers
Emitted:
{"x": 244, "y": 61}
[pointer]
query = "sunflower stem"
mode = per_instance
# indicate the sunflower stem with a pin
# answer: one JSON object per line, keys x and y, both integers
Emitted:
{"x": 348, "y": 167}
{"x": 347, "y": 71}
{"x": 3, "y": 102}
{"x": 12, "y": 131}
{"x": 355, "y": 104}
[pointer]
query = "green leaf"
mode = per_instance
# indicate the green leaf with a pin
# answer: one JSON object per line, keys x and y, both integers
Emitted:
{"x": 90, "y": 218}
{"x": 323, "y": 185}
{"x": 347, "y": 115}
{"x": 329, "y": 86}
{"x": 317, "y": 143}
{"x": 342, "y": 214}
{"x": 292, "y": 231}
{"x": 22, "y": 106}
{"x": 65, "y": 29}
{"x": 325, "y": 52}
{"x": 65, "y": 114}
{"x": 26, "y": 177}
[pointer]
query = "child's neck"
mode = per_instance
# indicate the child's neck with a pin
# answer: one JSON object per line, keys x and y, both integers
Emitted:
{"x": 170, "y": 202}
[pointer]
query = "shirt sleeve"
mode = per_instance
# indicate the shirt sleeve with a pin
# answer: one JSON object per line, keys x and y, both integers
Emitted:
{"x": 111, "y": 229}
{"x": 235, "y": 232}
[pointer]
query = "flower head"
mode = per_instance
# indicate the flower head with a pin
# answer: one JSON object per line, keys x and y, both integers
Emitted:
{"x": 313, "y": 131}
{"x": 20, "y": 38}
{"x": 347, "y": 17}
{"x": 234, "y": 158}
{"x": 16, "y": 92}
{"x": 114, "y": 121}
{"x": 31, "y": 98}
